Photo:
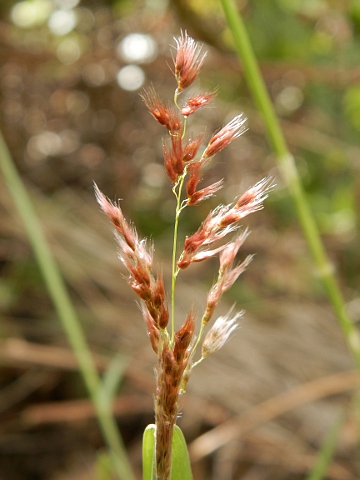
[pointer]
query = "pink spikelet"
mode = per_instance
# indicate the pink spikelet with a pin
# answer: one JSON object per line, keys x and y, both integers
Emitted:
{"x": 188, "y": 61}
{"x": 185, "y": 158}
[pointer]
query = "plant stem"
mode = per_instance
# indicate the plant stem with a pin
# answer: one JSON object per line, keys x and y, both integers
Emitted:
{"x": 65, "y": 310}
{"x": 324, "y": 267}
{"x": 177, "y": 192}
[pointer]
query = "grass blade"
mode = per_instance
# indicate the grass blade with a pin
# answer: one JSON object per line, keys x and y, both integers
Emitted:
{"x": 66, "y": 312}
{"x": 327, "y": 451}
{"x": 148, "y": 453}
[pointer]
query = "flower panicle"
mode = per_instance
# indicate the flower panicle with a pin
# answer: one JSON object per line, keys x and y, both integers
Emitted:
{"x": 184, "y": 166}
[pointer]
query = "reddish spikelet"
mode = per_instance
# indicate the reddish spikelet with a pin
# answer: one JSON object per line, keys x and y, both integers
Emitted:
{"x": 153, "y": 331}
{"x": 169, "y": 378}
{"x": 227, "y": 277}
{"x": 194, "y": 178}
{"x": 116, "y": 217}
{"x": 227, "y": 256}
{"x": 192, "y": 148}
{"x": 173, "y": 158}
{"x": 212, "y": 301}
{"x": 188, "y": 61}
{"x": 231, "y": 275}
{"x": 171, "y": 366}
{"x": 163, "y": 114}
{"x": 194, "y": 103}
{"x": 221, "y": 221}
{"x": 138, "y": 269}
{"x": 191, "y": 245}
{"x": 252, "y": 200}
{"x": 177, "y": 153}
{"x": 165, "y": 412}
{"x": 204, "y": 193}
{"x": 141, "y": 289}
{"x": 225, "y": 136}
{"x": 159, "y": 302}
{"x": 209, "y": 232}
{"x": 169, "y": 167}
{"x": 183, "y": 339}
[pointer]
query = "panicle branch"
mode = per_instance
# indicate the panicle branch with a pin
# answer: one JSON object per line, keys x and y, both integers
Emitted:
{"x": 222, "y": 220}
{"x": 138, "y": 261}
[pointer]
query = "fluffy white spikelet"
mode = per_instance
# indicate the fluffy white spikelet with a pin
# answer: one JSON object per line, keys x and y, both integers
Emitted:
{"x": 220, "y": 332}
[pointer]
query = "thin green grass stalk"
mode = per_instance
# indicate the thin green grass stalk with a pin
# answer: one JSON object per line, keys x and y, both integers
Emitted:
{"x": 65, "y": 310}
{"x": 177, "y": 190}
{"x": 324, "y": 268}
{"x": 327, "y": 451}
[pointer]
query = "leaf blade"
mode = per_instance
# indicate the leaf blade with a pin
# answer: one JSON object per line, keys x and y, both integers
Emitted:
{"x": 181, "y": 469}
{"x": 148, "y": 453}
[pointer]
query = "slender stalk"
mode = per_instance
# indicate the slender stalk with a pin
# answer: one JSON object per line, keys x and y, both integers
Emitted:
{"x": 65, "y": 310}
{"x": 327, "y": 450}
{"x": 324, "y": 267}
{"x": 177, "y": 192}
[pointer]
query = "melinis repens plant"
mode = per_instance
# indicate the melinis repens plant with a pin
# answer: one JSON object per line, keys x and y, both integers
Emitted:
{"x": 185, "y": 159}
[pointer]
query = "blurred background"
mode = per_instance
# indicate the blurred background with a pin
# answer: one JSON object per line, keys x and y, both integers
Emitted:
{"x": 70, "y": 76}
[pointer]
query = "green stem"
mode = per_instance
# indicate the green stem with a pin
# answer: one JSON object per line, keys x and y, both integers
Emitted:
{"x": 174, "y": 269}
{"x": 65, "y": 310}
{"x": 325, "y": 269}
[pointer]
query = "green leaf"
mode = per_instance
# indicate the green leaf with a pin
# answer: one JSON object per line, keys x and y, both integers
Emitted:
{"x": 180, "y": 469}
{"x": 148, "y": 453}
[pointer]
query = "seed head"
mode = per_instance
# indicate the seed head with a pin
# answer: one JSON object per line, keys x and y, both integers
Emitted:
{"x": 153, "y": 331}
{"x": 183, "y": 338}
{"x": 252, "y": 200}
{"x": 192, "y": 148}
{"x": 225, "y": 136}
{"x": 204, "y": 193}
{"x": 117, "y": 218}
{"x": 194, "y": 103}
{"x": 188, "y": 61}
{"x": 163, "y": 114}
